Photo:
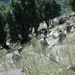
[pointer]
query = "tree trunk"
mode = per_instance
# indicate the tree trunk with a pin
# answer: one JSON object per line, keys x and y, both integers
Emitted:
{"x": 5, "y": 46}
{"x": 47, "y": 22}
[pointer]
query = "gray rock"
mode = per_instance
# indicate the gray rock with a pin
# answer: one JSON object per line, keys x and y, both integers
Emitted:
{"x": 12, "y": 72}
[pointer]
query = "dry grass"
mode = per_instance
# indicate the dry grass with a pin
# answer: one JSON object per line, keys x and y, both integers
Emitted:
{"x": 33, "y": 62}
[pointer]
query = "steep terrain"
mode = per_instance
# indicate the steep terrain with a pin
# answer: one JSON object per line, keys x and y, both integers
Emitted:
{"x": 57, "y": 59}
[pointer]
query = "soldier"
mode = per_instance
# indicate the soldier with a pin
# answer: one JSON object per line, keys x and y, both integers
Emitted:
{"x": 20, "y": 38}
{"x": 61, "y": 36}
{"x": 51, "y": 23}
{"x": 20, "y": 48}
{"x": 17, "y": 59}
{"x": 44, "y": 45}
{"x": 68, "y": 28}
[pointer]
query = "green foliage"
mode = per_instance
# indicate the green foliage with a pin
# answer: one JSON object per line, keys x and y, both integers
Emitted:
{"x": 2, "y": 6}
{"x": 72, "y": 4}
{"x": 2, "y": 24}
{"x": 22, "y": 16}
{"x": 2, "y": 31}
{"x": 52, "y": 9}
{"x": 26, "y": 14}
{"x": 12, "y": 26}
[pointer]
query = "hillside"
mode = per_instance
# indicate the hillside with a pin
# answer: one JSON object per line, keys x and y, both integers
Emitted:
{"x": 57, "y": 59}
{"x": 34, "y": 61}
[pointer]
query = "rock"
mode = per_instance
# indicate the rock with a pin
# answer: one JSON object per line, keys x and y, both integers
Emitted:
{"x": 12, "y": 72}
{"x": 9, "y": 55}
{"x": 54, "y": 34}
{"x": 71, "y": 67}
{"x": 73, "y": 14}
{"x": 16, "y": 55}
{"x": 62, "y": 20}
{"x": 56, "y": 21}
{"x": 42, "y": 25}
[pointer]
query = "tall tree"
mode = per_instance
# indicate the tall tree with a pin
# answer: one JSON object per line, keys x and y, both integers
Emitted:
{"x": 20, "y": 18}
{"x": 52, "y": 10}
{"x": 27, "y": 16}
{"x": 72, "y": 4}
{"x": 34, "y": 14}
{"x": 12, "y": 25}
{"x": 2, "y": 32}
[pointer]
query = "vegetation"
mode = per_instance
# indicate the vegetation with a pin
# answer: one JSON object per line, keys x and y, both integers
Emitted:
{"x": 71, "y": 3}
{"x": 2, "y": 27}
{"x": 33, "y": 61}
{"x": 21, "y": 16}
{"x": 51, "y": 10}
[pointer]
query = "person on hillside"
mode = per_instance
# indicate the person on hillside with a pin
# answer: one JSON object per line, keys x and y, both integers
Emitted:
{"x": 45, "y": 33}
{"x": 17, "y": 58}
{"x": 44, "y": 44}
{"x": 19, "y": 43}
{"x": 68, "y": 28}
{"x": 20, "y": 38}
{"x": 61, "y": 36}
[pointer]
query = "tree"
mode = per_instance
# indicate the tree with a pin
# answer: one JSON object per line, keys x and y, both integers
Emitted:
{"x": 2, "y": 26}
{"x": 19, "y": 22}
{"x": 12, "y": 26}
{"x": 34, "y": 18}
{"x": 26, "y": 15}
{"x": 2, "y": 6}
{"x": 2, "y": 32}
{"x": 52, "y": 10}
{"x": 72, "y": 4}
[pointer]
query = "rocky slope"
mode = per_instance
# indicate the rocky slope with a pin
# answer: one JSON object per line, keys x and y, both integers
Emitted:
{"x": 57, "y": 59}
